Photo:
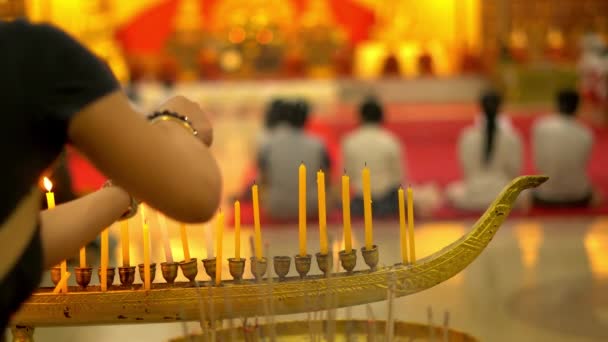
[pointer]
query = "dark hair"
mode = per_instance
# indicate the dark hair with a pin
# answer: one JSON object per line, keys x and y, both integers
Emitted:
{"x": 490, "y": 104}
{"x": 274, "y": 114}
{"x": 567, "y": 102}
{"x": 371, "y": 111}
{"x": 299, "y": 111}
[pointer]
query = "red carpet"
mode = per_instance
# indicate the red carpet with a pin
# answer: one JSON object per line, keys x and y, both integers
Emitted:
{"x": 431, "y": 157}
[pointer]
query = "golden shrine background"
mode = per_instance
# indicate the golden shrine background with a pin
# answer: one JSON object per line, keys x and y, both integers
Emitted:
{"x": 209, "y": 39}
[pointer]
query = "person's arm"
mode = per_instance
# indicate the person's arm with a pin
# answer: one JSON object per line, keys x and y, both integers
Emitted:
{"x": 69, "y": 226}
{"x": 163, "y": 164}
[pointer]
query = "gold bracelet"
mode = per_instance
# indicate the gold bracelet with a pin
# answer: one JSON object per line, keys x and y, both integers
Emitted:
{"x": 174, "y": 117}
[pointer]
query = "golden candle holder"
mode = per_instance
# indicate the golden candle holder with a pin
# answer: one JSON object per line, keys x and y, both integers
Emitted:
{"x": 342, "y": 330}
{"x": 140, "y": 268}
{"x": 371, "y": 257}
{"x": 126, "y": 274}
{"x": 189, "y": 269}
{"x": 237, "y": 268}
{"x": 210, "y": 265}
{"x": 169, "y": 271}
{"x": 303, "y": 264}
{"x": 83, "y": 276}
{"x": 258, "y": 267}
{"x": 281, "y": 266}
{"x": 55, "y": 275}
{"x": 251, "y": 298}
{"x": 324, "y": 261}
{"x": 110, "y": 275}
{"x": 348, "y": 260}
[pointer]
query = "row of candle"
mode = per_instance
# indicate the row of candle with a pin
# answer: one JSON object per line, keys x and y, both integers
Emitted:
{"x": 405, "y": 234}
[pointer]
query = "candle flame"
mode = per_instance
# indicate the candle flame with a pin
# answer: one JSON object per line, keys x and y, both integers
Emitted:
{"x": 48, "y": 185}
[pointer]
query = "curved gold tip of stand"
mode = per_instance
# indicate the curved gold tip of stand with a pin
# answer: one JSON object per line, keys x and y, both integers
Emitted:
{"x": 249, "y": 298}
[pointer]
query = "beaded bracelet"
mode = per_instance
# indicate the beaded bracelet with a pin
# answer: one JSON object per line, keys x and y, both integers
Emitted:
{"x": 132, "y": 210}
{"x": 166, "y": 115}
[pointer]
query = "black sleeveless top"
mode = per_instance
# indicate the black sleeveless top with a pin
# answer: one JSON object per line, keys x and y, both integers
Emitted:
{"x": 46, "y": 77}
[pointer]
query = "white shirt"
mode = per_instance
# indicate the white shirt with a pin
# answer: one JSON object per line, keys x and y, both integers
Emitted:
{"x": 562, "y": 147}
{"x": 483, "y": 182}
{"x": 381, "y": 151}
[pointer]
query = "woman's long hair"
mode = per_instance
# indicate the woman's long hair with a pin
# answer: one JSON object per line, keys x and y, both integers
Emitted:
{"x": 490, "y": 104}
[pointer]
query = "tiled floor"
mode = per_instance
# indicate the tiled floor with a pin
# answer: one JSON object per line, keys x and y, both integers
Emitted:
{"x": 541, "y": 280}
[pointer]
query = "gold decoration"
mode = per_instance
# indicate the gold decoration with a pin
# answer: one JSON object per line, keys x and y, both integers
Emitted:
{"x": 182, "y": 301}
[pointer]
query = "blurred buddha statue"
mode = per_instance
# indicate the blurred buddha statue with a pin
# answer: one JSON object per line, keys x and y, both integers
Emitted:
{"x": 320, "y": 37}
{"x": 518, "y": 46}
{"x": 555, "y": 49}
{"x": 186, "y": 41}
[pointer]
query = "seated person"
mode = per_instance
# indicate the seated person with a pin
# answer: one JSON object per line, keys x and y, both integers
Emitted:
{"x": 380, "y": 150}
{"x": 561, "y": 151}
{"x": 280, "y": 160}
{"x": 490, "y": 157}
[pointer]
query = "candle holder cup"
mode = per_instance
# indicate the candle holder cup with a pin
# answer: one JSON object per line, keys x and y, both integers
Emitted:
{"x": 370, "y": 256}
{"x": 83, "y": 276}
{"x": 281, "y": 266}
{"x": 210, "y": 265}
{"x": 140, "y": 268}
{"x": 126, "y": 274}
{"x": 169, "y": 271}
{"x": 237, "y": 268}
{"x": 189, "y": 269}
{"x": 348, "y": 260}
{"x": 258, "y": 267}
{"x": 55, "y": 275}
{"x": 303, "y": 264}
{"x": 110, "y": 276}
{"x": 324, "y": 261}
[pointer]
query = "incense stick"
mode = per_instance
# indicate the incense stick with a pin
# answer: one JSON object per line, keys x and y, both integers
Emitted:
{"x": 430, "y": 320}
{"x": 390, "y": 320}
{"x": 446, "y": 330}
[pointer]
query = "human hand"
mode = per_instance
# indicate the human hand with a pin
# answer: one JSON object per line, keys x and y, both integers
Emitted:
{"x": 199, "y": 119}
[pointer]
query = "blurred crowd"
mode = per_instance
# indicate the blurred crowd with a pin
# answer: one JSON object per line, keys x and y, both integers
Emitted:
{"x": 490, "y": 153}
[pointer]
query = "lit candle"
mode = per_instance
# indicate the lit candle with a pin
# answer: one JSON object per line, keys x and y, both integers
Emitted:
{"x": 348, "y": 240}
{"x": 83, "y": 257}
{"x": 185, "y": 247}
{"x": 164, "y": 233}
{"x": 256, "y": 222}
{"x": 50, "y": 196}
{"x": 62, "y": 283}
{"x": 146, "y": 241}
{"x": 322, "y": 212}
{"x": 105, "y": 256}
{"x": 50, "y": 203}
{"x": 402, "y": 227}
{"x": 124, "y": 240}
{"x": 367, "y": 207}
{"x": 218, "y": 253}
{"x": 410, "y": 223}
{"x": 237, "y": 230}
{"x": 302, "y": 207}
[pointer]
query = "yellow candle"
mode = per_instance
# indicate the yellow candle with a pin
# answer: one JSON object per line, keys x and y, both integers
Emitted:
{"x": 367, "y": 207}
{"x": 218, "y": 254}
{"x": 146, "y": 241}
{"x": 322, "y": 212}
{"x": 256, "y": 222}
{"x": 410, "y": 223}
{"x": 302, "y": 207}
{"x": 348, "y": 240}
{"x": 50, "y": 203}
{"x": 62, "y": 283}
{"x": 402, "y": 227}
{"x": 105, "y": 256}
{"x": 83, "y": 257}
{"x": 185, "y": 246}
{"x": 237, "y": 230}
{"x": 124, "y": 240}
{"x": 147, "y": 272}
